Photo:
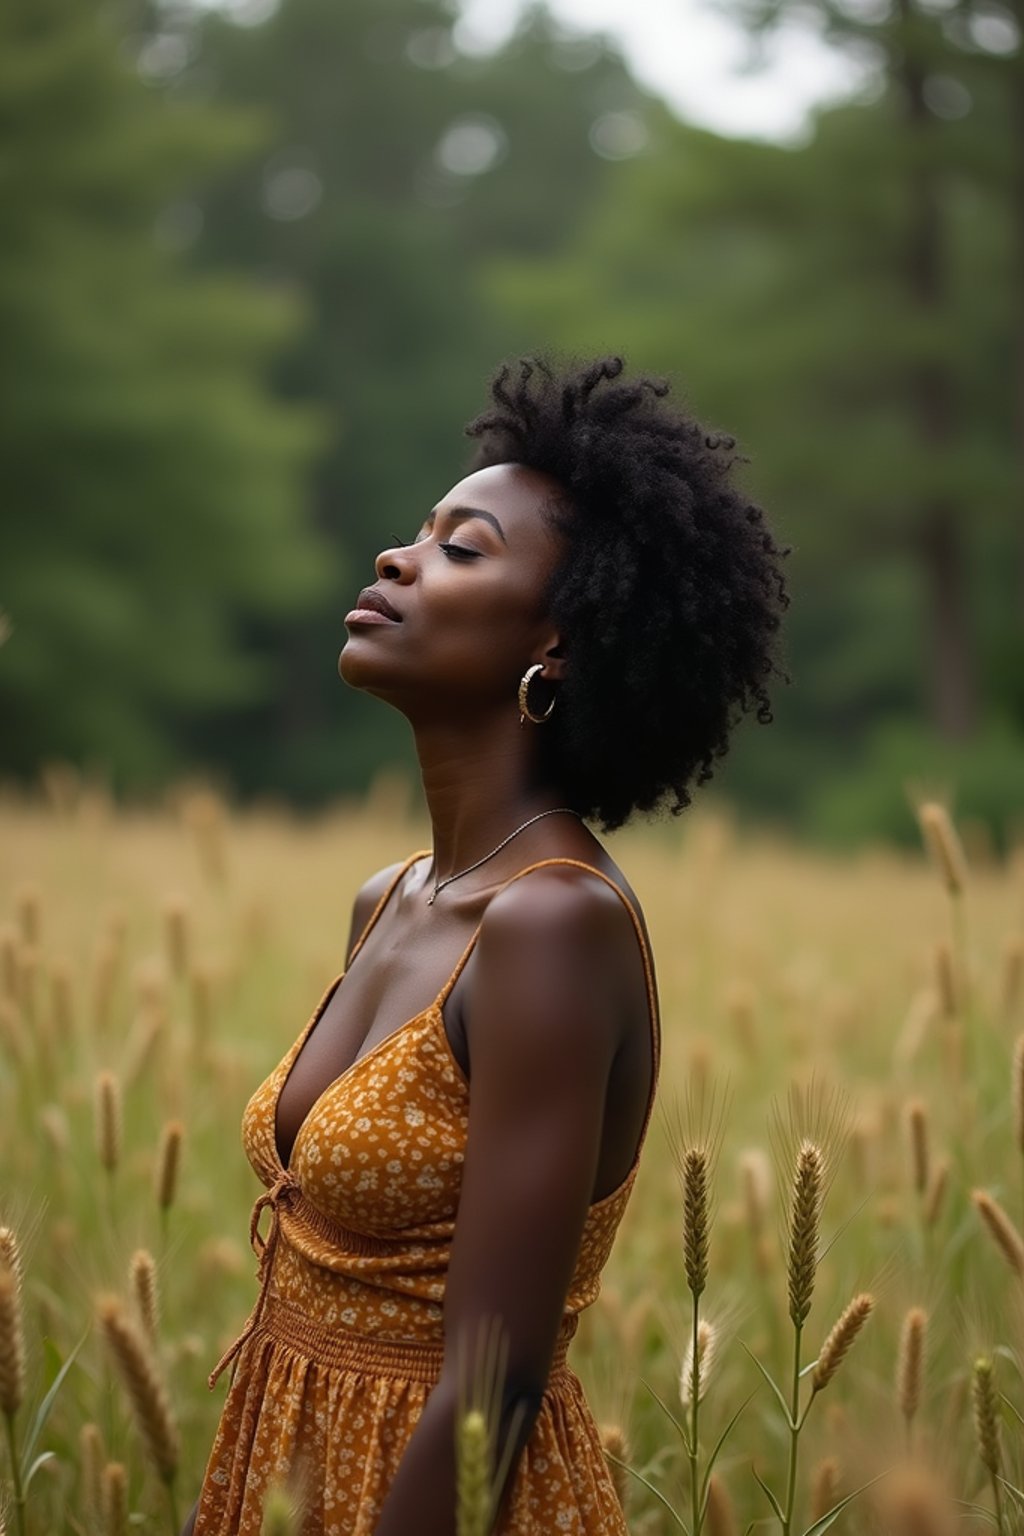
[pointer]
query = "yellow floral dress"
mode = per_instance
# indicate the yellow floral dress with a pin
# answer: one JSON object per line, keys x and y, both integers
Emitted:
{"x": 339, "y": 1354}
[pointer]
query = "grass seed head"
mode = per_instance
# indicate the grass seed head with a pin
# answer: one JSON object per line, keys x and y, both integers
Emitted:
{"x": 756, "y": 1182}
{"x": 142, "y": 1278}
{"x": 1012, "y": 976}
{"x": 935, "y": 1198}
{"x": 804, "y": 1228}
{"x": 9, "y": 943}
{"x": 707, "y": 1339}
{"x": 986, "y": 1414}
{"x": 10, "y": 1254}
{"x": 108, "y": 1119}
{"x": 824, "y": 1487}
{"x": 279, "y": 1514}
{"x": 912, "y": 1501}
{"x": 917, "y": 1131}
{"x": 721, "y": 1516}
{"x": 840, "y": 1338}
{"x": 168, "y": 1163}
{"x": 142, "y": 1382}
{"x": 1017, "y": 1093}
{"x": 944, "y": 843}
{"x": 115, "y": 1499}
{"x": 945, "y": 979}
{"x": 1006, "y": 1236}
{"x": 910, "y": 1361}
{"x": 12, "y": 1342}
{"x": 62, "y": 1009}
{"x": 91, "y": 1459}
{"x": 614, "y": 1443}
{"x": 176, "y": 934}
{"x": 695, "y": 1217}
{"x": 473, "y": 1516}
{"x": 29, "y": 908}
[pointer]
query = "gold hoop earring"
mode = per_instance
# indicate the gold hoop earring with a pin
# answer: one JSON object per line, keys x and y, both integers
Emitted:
{"x": 524, "y": 707}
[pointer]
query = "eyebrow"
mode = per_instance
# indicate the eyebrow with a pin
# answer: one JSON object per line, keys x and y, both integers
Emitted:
{"x": 459, "y": 513}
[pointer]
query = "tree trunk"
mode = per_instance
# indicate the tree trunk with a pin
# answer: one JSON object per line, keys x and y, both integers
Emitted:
{"x": 952, "y": 673}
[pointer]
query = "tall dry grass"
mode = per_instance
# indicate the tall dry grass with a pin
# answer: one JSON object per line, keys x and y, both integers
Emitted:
{"x": 155, "y": 965}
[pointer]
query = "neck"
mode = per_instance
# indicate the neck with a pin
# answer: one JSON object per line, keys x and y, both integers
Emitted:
{"x": 480, "y": 784}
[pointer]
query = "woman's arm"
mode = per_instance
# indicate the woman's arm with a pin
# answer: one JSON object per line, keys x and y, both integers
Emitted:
{"x": 544, "y": 1032}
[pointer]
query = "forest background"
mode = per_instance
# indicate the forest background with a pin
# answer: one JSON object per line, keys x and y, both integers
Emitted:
{"x": 256, "y": 267}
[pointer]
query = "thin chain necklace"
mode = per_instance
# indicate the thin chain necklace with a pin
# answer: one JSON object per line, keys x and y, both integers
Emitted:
{"x": 439, "y": 885}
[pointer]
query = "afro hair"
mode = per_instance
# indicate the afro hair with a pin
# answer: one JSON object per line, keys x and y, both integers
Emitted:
{"x": 670, "y": 595}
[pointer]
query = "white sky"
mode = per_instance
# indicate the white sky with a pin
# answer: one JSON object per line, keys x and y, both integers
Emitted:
{"x": 692, "y": 56}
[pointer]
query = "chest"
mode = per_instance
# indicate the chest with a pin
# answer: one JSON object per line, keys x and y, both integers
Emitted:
{"x": 390, "y": 984}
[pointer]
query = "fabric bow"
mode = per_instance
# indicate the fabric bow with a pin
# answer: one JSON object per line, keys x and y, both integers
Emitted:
{"x": 281, "y": 1190}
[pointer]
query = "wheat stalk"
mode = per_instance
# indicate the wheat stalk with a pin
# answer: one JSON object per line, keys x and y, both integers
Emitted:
{"x": 91, "y": 1459}
{"x": 615, "y": 1445}
{"x": 910, "y": 1365}
{"x": 473, "y": 1489}
{"x": 840, "y": 1338}
{"x": 279, "y": 1517}
{"x": 141, "y": 1380}
{"x": 12, "y": 1342}
{"x": 691, "y": 1377}
{"x": 115, "y": 1499}
{"x": 695, "y": 1218}
{"x": 142, "y": 1279}
{"x": 108, "y": 1119}
{"x": 1007, "y": 1238}
{"x": 720, "y": 1515}
{"x": 944, "y": 843}
{"x": 936, "y": 1195}
{"x": 167, "y": 1164}
{"x": 804, "y": 1224}
{"x": 917, "y": 1127}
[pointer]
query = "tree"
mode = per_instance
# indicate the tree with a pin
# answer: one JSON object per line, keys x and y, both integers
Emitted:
{"x": 151, "y": 486}
{"x": 396, "y": 169}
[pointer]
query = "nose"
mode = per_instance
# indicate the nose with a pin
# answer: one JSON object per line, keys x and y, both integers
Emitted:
{"x": 395, "y": 564}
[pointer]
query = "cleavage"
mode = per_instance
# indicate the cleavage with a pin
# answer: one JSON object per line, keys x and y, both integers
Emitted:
{"x": 391, "y": 980}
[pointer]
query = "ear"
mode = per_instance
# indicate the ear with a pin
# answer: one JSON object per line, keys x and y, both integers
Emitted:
{"x": 554, "y": 660}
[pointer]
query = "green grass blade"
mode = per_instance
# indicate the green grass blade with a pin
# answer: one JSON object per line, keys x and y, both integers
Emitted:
{"x": 650, "y": 1489}
{"x": 42, "y": 1413}
{"x": 683, "y": 1435}
{"x": 771, "y": 1382}
{"x": 720, "y": 1442}
{"x": 772, "y": 1499}
{"x": 40, "y": 1461}
{"x": 820, "y": 1526}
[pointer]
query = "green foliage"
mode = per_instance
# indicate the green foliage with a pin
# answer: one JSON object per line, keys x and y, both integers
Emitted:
{"x": 152, "y": 488}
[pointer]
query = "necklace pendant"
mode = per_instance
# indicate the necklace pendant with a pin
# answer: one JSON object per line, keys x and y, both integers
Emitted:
{"x": 430, "y": 898}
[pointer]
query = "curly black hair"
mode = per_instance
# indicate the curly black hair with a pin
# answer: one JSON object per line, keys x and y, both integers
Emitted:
{"x": 670, "y": 596}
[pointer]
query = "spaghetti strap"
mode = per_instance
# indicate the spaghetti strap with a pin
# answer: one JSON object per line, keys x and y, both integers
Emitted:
{"x": 652, "y": 996}
{"x": 382, "y": 903}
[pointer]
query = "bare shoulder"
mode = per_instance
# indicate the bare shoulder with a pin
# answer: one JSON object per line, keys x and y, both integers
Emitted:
{"x": 556, "y": 957}
{"x": 366, "y": 899}
{"x": 564, "y": 901}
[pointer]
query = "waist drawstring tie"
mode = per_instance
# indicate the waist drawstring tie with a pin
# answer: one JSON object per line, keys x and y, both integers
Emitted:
{"x": 282, "y": 1189}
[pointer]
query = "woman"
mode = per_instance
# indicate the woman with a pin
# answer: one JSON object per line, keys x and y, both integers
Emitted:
{"x": 570, "y": 634}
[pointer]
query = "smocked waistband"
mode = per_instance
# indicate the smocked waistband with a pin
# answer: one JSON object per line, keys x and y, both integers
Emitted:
{"x": 339, "y": 1348}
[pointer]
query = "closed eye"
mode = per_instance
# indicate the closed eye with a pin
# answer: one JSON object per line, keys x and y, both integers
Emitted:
{"x": 459, "y": 551}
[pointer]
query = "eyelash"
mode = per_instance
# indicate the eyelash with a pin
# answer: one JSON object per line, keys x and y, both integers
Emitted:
{"x": 458, "y": 551}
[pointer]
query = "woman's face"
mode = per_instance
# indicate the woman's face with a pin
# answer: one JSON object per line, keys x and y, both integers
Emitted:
{"x": 468, "y": 590}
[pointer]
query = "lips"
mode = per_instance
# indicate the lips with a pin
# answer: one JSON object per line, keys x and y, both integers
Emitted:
{"x": 369, "y": 597}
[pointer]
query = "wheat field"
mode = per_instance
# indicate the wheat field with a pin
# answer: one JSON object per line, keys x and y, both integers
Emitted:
{"x": 839, "y": 1139}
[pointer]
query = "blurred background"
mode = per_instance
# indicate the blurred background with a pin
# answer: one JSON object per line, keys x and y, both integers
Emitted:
{"x": 258, "y": 261}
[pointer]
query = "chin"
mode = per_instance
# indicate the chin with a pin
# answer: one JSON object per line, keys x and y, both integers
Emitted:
{"x": 354, "y": 668}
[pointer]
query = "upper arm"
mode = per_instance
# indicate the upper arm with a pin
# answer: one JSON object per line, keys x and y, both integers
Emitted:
{"x": 544, "y": 1032}
{"x": 366, "y": 899}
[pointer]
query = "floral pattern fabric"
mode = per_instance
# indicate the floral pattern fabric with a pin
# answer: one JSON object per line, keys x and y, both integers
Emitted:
{"x": 335, "y": 1363}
